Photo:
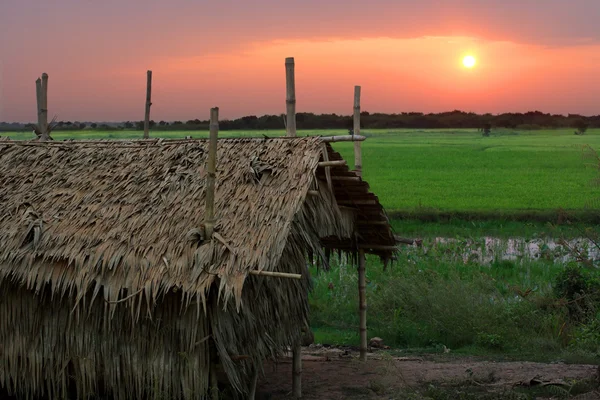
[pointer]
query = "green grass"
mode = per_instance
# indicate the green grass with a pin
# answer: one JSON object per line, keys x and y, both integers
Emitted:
{"x": 441, "y": 174}
{"x": 450, "y": 171}
{"x": 431, "y": 298}
{"x": 460, "y": 228}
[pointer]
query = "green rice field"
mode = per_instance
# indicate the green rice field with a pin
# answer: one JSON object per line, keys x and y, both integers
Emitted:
{"x": 455, "y": 172}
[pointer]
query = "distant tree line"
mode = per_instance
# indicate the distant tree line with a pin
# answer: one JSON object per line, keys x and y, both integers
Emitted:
{"x": 409, "y": 120}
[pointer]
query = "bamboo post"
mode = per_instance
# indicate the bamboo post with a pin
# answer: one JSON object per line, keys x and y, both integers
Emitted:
{"x": 275, "y": 274}
{"x": 38, "y": 96}
{"x": 148, "y": 104}
{"x": 214, "y": 382}
{"x": 297, "y": 370}
{"x": 290, "y": 126}
{"x": 362, "y": 303}
{"x": 253, "y": 384}
{"x": 343, "y": 138}
{"x": 356, "y": 131}
{"x": 337, "y": 163}
{"x": 44, "y": 109}
{"x": 209, "y": 218}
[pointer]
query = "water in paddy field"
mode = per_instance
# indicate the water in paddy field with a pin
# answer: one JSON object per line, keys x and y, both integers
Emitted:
{"x": 488, "y": 249}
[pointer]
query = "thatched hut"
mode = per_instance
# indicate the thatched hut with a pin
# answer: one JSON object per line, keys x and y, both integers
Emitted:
{"x": 109, "y": 285}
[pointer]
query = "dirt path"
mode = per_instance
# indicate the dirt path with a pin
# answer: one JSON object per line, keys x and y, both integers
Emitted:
{"x": 337, "y": 374}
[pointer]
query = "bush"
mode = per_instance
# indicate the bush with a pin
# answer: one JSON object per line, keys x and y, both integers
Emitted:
{"x": 587, "y": 336}
{"x": 580, "y": 291}
{"x": 581, "y": 127}
{"x": 490, "y": 341}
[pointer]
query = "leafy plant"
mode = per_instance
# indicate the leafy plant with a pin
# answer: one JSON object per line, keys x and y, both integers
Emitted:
{"x": 580, "y": 291}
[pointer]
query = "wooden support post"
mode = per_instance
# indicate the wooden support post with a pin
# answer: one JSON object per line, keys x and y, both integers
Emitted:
{"x": 356, "y": 131}
{"x": 290, "y": 129}
{"x": 38, "y": 96}
{"x": 44, "y": 110}
{"x": 213, "y": 381}
{"x": 297, "y": 370}
{"x": 211, "y": 171}
{"x": 253, "y": 384}
{"x": 362, "y": 303}
{"x": 148, "y": 104}
{"x": 338, "y": 163}
{"x": 290, "y": 101}
{"x": 343, "y": 138}
{"x": 275, "y": 274}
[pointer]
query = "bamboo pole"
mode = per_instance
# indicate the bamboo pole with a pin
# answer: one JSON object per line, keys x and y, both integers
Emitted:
{"x": 356, "y": 131}
{"x": 148, "y": 104}
{"x": 209, "y": 218}
{"x": 290, "y": 129}
{"x": 38, "y": 97}
{"x": 297, "y": 370}
{"x": 362, "y": 303}
{"x": 338, "y": 163}
{"x": 214, "y": 382}
{"x": 44, "y": 110}
{"x": 253, "y": 384}
{"x": 276, "y": 274}
{"x": 343, "y": 138}
{"x": 290, "y": 126}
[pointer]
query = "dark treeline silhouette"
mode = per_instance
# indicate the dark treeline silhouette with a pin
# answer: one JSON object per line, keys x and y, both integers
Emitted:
{"x": 410, "y": 120}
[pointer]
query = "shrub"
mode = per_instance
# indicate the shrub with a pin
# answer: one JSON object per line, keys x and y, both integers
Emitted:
{"x": 490, "y": 341}
{"x": 587, "y": 336}
{"x": 581, "y": 127}
{"x": 580, "y": 290}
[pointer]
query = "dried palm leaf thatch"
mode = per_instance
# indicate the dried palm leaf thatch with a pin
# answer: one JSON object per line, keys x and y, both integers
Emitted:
{"x": 107, "y": 278}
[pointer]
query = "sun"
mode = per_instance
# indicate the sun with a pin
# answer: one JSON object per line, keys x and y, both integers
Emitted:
{"x": 469, "y": 61}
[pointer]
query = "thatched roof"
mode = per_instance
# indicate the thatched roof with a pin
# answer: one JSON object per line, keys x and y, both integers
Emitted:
{"x": 126, "y": 214}
{"x": 122, "y": 221}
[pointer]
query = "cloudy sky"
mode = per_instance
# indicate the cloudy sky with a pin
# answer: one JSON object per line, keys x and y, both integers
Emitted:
{"x": 531, "y": 55}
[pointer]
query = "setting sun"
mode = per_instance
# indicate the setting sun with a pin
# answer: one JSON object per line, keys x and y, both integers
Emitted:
{"x": 469, "y": 61}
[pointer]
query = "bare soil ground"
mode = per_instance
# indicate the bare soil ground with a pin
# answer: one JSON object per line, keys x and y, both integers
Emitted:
{"x": 332, "y": 373}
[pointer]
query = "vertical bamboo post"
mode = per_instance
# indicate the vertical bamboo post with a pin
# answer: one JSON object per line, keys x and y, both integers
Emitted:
{"x": 214, "y": 382}
{"x": 38, "y": 97}
{"x": 209, "y": 219}
{"x": 356, "y": 131}
{"x": 44, "y": 110}
{"x": 253, "y": 384}
{"x": 290, "y": 126}
{"x": 297, "y": 370}
{"x": 362, "y": 303}
{"x": 148, "y": 104}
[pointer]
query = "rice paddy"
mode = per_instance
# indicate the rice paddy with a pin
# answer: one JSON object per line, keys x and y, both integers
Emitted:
{"x": 458, "y": 173}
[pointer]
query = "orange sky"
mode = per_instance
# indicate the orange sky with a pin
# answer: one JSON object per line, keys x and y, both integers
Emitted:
{"x": 406, "y": 57}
